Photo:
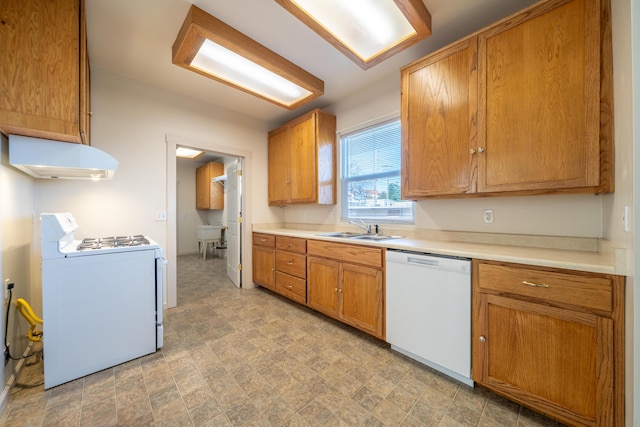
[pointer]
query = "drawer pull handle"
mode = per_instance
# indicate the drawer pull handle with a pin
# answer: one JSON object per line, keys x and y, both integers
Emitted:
{"x": 289, "y": 262}
{"x": 482, "y": 338}
{"x": 335, "y": 289}
{"x": 290, "y": 287}
{"x": 290, "y": 244}
{"x": 535, "y": 285}
{"x": 263, "y": 240}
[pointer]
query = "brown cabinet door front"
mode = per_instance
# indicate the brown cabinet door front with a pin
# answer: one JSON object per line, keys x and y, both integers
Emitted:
{"x": 539, "y": 94}
{"x": 264, "y": 267}
{"x": 439, "y": 105}
{"x": 539, "y": 353}
{"x": 279, "y": 172}
{"x": 361, "y": 291}
{"x": 323, "y": 277}
{"x": 304, "y": 173}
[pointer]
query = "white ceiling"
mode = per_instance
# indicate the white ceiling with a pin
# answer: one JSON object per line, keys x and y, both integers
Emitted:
{"x": 133, "y": 38}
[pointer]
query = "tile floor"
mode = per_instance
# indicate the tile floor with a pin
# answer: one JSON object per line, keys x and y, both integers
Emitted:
{"x": 250, "y": 358}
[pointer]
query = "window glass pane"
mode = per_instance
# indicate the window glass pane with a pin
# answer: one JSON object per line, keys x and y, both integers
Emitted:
{"x": 371, "y": 175}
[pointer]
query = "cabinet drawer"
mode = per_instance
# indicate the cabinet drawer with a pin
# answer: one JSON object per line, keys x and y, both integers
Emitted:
{"x": 355, "y": 254}
{"x": 291, "y": 244}
{"x": 294, "y": 264}
{"x": 588, "y": 291}
{"x": 291, "y": 287}
{"x": 268, "y": 240}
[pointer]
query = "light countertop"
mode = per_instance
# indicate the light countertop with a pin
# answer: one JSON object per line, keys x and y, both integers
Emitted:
{"x": 599, "y": 256}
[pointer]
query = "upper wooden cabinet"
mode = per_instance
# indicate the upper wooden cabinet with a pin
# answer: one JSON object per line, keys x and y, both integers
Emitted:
{"x": 523, "y": 107}
{"x": 44, "y": 70}
{"x": 438, "y": 122}
{"x": 302, "y": 160}
{"x": 209, "y": 195}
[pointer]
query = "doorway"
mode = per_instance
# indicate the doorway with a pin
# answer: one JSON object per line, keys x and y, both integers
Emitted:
{"x": 238, "y": 258}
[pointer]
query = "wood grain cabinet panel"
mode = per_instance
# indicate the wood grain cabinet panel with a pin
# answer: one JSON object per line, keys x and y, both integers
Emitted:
{"x": 209, "y": 195}
{"x": 558, "y": 354}
{"x": 347, "y": 282}
{"x": 291, "y": 287}
{"x": 439, "y": 122}
{"x": 540, "y": 99}
{"x": 44, "y": 70}
{"x": 263, "y": 262}
{"x": 522, "y": 107}
{"x": 302, "y": 160}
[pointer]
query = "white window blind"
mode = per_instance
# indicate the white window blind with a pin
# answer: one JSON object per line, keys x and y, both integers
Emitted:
{"x": 370, "y": 179}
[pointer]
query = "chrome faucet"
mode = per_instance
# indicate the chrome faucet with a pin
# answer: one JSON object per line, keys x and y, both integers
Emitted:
{"x": 360, "y": 223}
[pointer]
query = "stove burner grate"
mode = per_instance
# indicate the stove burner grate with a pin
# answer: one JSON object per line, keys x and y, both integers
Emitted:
{"x": 92, "y": 243}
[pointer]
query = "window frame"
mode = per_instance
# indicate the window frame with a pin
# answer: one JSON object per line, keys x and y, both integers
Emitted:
{"x": 344, "y": 181}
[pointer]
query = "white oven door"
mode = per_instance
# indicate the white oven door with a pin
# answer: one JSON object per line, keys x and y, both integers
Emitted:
{"x": 98, "y": 311}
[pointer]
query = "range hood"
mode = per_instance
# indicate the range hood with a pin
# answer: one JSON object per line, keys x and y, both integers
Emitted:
{"x": 42, "y": 158}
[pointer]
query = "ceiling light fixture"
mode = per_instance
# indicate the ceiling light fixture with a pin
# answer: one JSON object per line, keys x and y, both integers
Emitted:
{"x": 366, "y": 31}
{"x": 187, "y": 153}
{"x": 213, "y": 49}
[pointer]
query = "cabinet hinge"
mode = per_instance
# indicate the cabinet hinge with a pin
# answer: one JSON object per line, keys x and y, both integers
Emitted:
{"x": 239, "y": 267}
{"x": 239, "y": 172}
{"x": 239, "y": 220}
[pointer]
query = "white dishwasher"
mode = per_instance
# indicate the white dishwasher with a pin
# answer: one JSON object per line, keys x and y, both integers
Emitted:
{"x": 428, "y": 309}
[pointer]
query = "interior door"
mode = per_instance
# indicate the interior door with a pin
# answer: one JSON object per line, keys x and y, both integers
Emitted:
{"x": 234, "y": 222}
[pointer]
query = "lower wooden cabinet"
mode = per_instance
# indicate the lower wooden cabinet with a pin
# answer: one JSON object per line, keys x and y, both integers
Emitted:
{"x": 291, "y": 268}
{"x": 347, "y": 291}
{"x": 264, "y": 261}
{"x": 551, "y": 339}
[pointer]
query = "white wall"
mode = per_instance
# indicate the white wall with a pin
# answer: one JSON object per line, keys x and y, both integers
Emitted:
{"x": 187, "y": 216}
{"x": 16, "y": 261}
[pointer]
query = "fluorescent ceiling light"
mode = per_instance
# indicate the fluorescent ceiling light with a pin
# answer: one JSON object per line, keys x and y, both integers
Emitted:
{"x": 187, "y": 153}
{"x": 367, "y": 31}
{"x": 212, "y": 48}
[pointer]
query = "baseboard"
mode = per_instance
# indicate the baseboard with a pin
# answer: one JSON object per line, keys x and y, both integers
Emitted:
{"x": 4, "y": 396}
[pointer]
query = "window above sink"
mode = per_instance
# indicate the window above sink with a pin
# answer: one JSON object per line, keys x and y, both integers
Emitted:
{"x": 370, "y": 175}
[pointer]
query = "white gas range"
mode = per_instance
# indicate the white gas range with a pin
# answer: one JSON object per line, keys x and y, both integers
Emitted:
{"x": 102, "y": 299}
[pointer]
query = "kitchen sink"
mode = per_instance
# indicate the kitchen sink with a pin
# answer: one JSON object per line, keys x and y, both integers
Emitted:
{"x": 359, "y": 236}
{"x": 375, "y": 237}
{"x": 345, "y": 234}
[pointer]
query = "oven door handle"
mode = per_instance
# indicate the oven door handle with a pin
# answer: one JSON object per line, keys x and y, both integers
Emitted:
{"x": 160, "y": 265}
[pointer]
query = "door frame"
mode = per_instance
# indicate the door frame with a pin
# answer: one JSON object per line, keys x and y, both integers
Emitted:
{"x": 171, "y": 249}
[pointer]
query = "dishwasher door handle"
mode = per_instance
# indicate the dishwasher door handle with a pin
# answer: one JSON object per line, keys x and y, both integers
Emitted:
{"x": 423, "y": 261}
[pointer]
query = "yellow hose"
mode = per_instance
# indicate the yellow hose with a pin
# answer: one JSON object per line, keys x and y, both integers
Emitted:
{"x": 25, "y": 309}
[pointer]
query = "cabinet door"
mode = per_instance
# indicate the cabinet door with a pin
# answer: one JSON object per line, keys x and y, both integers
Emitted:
{"x": 361, "y": 291}
{"x": 559, "y": 358}
{"x": 216, "y": 189}
{"x": 322, "y": 285}
{"x": 279, "y": 172}
{"x": 439, "y": 104}
{"x": 202, "y": 187}
{"x": 539, "y": 93}
{"x": 264, "y": 267}
{"x": 304, "y": 169}
{"x": 39, "y": 68}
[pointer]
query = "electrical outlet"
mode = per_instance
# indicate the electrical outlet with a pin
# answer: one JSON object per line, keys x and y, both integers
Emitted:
{"x": 488, "y": 216}
{"x": 6, "y": 288}
{"x": 161, "y": 216}
{"x": 625, "y": 219}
